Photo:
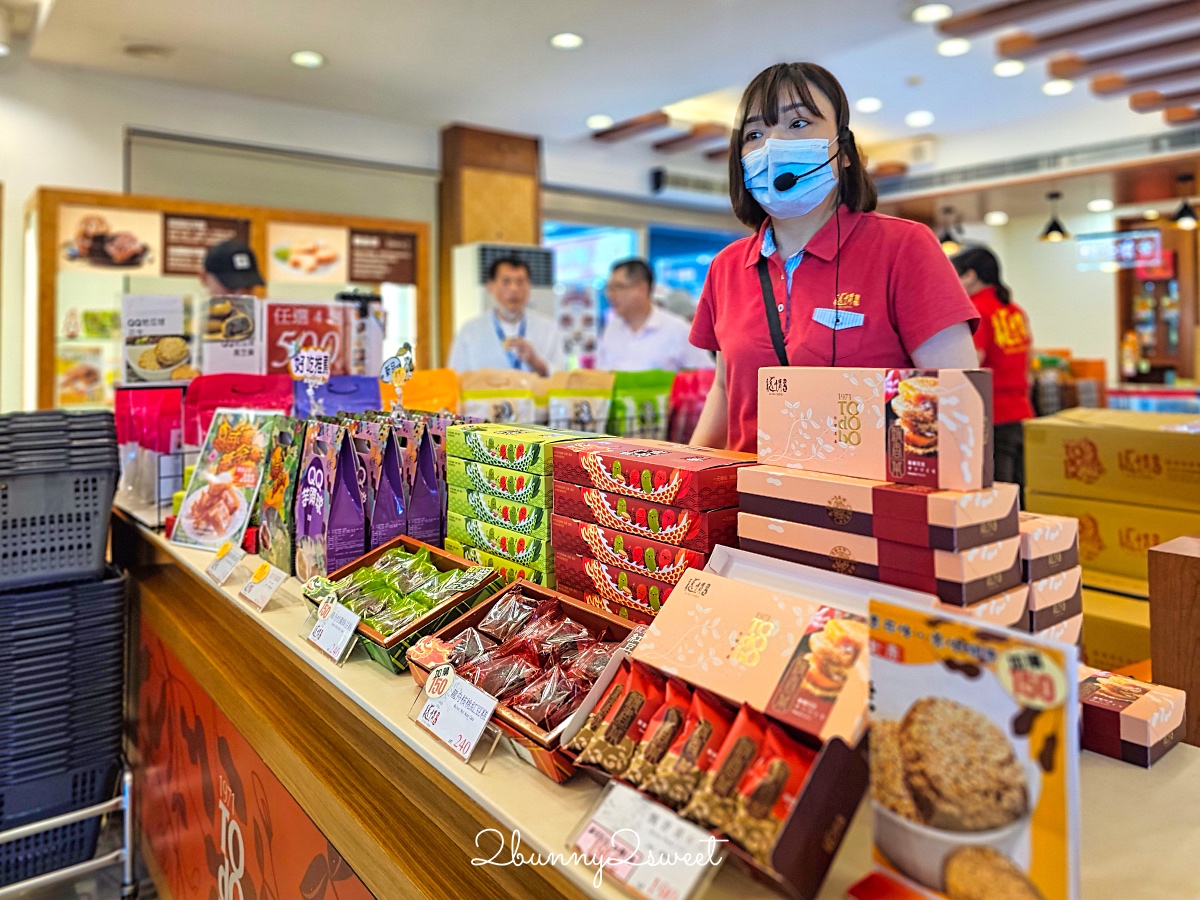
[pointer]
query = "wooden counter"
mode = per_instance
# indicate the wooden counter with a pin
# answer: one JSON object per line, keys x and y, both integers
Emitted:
{"x": 405, "y": 813}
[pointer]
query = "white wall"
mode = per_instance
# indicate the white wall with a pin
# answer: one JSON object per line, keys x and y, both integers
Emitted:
{"x": 62, "y": 127}
{"x": 1066, "y": 307}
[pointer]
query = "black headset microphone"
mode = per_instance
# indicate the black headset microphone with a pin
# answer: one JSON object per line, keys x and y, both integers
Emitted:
{"x": 787, "y": 181}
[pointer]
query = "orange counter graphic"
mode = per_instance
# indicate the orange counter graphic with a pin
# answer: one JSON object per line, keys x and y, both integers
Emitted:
{"x": 218, "y": 823}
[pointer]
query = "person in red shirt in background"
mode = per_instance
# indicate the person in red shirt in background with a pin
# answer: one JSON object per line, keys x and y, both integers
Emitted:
{"x": 1004, "y": 342}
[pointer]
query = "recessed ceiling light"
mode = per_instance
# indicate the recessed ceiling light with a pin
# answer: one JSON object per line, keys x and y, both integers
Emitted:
{"x": 868, "y": 105}
{"x": 954, "y": 47}
{"x": 1007, "y": 68}
{"x": 997, "y": 218}
{"x": 1056, "y": 87}
{"x": 5, "y": 32}
{"x": 599, "y": 122}
{"x": 927, "y": 13}
{"x": 567, "y": 40}
{"x": 919, "y": 118}
{"x": 308, "y": 59}
{"x": 1151, "y": 214}
{"x": 1100, "y": 205}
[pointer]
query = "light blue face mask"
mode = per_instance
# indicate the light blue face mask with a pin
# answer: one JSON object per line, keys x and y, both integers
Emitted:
{"x": 789, "y": 178}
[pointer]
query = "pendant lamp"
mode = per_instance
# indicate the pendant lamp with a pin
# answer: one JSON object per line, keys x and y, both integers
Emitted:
{"x": 1185, "y": 216}
{"x": 1054, "y": 230}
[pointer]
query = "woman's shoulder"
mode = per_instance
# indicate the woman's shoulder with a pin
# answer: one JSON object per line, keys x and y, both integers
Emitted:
{"x": 733, "y": 255}
{"x": 878, "y": 225}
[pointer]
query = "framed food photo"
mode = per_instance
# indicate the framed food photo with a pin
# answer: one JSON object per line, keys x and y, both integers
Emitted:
{"x": 224, "y": 485}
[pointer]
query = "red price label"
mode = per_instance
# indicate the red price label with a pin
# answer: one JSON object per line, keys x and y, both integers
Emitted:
{"x": 1033, "y": 678}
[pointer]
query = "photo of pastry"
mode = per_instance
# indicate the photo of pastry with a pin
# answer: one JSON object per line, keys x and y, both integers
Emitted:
{"x": 309, "y": 254}
{"x": 214, "y": 513}
{"x": 916, "y": 408}
{"x": 98, "y": 243}
{"x": 90, "y": 238}
{"x": 157, "y": 358}
{"x": 310, "y": 257}
{"x": 229, "y": 319}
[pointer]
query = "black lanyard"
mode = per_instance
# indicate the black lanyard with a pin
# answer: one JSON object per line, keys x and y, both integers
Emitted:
{"x": 768, "y": 295}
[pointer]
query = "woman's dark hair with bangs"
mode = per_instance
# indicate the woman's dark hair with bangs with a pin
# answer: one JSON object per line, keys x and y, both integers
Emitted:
{"x": 796, "y": 80}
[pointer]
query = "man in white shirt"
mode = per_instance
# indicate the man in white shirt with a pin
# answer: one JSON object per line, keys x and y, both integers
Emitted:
{"x": 508, "y": 336}
{"x": 640, "y": 335}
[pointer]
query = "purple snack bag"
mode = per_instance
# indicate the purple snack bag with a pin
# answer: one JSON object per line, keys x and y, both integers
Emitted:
{"x": 389, "y": 515}
{"x": 317, "y": 463}
{"x": 368, "y": 446}
{"x": 346, "y": 528}
{"x": 425, "y": 500}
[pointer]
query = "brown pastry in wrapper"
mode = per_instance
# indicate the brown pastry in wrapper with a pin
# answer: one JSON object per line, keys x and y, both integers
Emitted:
{"x": 768, "y": 791}
{"x": 616, "y": 690}
{"x": 468, "y": 647}
{"x": 549, "y": 699}
{"x": 503, "y": 674}
{"x": 715, "y": 801}
{"x": 565, "y": 641}
{"x": 693, "y": 752}
{"x": 593, "y": 660}
{"x": 611, "y": 747}
{"x": 660, "y": 733}
{"x": 507, "y": 616}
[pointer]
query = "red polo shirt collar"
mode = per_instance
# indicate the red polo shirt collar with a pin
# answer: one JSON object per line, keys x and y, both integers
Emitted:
{"x": 824, "y": 243}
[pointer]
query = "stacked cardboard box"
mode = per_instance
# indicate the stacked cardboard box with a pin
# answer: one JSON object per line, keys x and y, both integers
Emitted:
{"x": 854, "y": 489}
{"x": 500, "y": 497}
{"x": 631, "y": 516}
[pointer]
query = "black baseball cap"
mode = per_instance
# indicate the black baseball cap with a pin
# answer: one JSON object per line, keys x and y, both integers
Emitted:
{"x": 233, "y": 264}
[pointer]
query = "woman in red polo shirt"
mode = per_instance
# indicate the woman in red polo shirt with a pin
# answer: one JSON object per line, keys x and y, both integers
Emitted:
{"x": 1004, "y": 343}
{"x": 825, "y": 280}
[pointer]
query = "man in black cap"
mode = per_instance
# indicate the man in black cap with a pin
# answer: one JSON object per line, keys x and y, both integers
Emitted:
{"x": 230, "y": 267}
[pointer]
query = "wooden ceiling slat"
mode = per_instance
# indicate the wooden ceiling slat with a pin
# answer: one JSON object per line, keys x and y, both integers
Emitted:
{"x": 977, "y": 21}
{"x": 1024, "y": 44}
{"x": 1072, "y": 65}
{"x": 628, "y": 128}
{"x": 1153, "y": 101}
{"x": 1181, "y": 115}
{"x": 717, "y": 153}
{"x": 1110, "y": 83}
{"x": 701, "y": 133}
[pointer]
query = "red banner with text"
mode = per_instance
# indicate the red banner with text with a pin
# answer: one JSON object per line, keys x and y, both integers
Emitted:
{"x": 219, "y": 824}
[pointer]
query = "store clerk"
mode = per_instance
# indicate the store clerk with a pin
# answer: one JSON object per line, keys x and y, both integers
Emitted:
{"x": 846, "y": 285}
{"x": 509, "y": 335}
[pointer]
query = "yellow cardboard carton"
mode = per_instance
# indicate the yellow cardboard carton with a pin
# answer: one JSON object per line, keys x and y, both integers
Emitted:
{"x": 1109, "y": 454}
{"x": 1116, "y": 630}
{"x": 1115, "y": 537}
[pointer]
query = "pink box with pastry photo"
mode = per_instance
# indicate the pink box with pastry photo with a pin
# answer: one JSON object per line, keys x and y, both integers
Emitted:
{"x": 1128, "y": 719}
{"x": 931, "y": 427}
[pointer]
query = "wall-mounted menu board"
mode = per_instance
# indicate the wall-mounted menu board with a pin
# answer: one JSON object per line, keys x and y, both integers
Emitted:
{"x": 94, "y": 248}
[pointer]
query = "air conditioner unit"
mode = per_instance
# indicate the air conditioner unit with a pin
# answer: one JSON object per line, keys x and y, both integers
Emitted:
{"x": 693, "y": 190}
{"x": 469, "y": 271}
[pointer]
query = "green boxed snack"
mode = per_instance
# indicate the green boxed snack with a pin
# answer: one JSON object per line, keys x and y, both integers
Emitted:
{"x": 531, "y": 552}
{"x": 533, "y": 521}
{"x": 518, "y": 487}
{"x": 513, "y": 447}
{"x": 640, "y": 404}
{"x": 509, "y": 570}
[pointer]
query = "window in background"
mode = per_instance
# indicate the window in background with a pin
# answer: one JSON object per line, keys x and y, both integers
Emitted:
{"x": 583, "y": 255}
{"x": 680, "y": 258}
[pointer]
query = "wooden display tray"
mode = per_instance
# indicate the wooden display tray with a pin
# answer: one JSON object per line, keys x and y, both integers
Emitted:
{"x": 443, "y": 562}
{"x": 537, "y": 746}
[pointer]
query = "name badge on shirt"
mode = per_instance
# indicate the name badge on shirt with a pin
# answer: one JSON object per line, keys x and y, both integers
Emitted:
{"x": 839, "y": 320}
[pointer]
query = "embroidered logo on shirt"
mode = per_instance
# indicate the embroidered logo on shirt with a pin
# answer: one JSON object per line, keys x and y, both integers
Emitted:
{"x": 846, "y": 301}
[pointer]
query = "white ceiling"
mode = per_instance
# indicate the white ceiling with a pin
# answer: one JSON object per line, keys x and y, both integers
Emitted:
{"x": 489, "y": 63}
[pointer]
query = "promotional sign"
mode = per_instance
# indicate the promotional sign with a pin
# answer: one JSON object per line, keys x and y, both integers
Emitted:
{"x": 310, "y": 365}
{"x": 334, "y": 630}
{"x": 379, "y": 256}
{"x": 231, "y": 335}
{"x": 225, "y": 561}
{"x": 1114, "y": 250}
{"x": 456, "y": 712}
{"x": 262, "y": 585}
{"x": 307, "y": 254}
{"x": 186, "y": 239}
{"x": 126, "y": 241}
{"x": 290, "y": 324}
{"x": 974, "y": 758}
{"x": 216, "y": 820}
{"x": 155, "y": 343}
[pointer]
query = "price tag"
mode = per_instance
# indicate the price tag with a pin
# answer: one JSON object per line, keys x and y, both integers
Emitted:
{"x": 646, "y": 847}
{"x": 334, "y": 629}
{"x": 262, "y": 584}
{"x": 458, "y": 715}
{"x": 310, "y": 365}
{"x": 439, "y": 681}
{"x": 227, "y": 559}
